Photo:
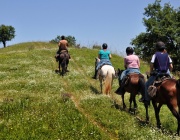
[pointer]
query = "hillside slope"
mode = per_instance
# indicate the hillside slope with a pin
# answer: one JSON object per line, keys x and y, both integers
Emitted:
{"x": 37, "y": 103}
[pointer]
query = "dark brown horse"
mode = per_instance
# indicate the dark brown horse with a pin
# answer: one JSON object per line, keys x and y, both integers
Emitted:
{"x": 134, "y": 84}
{"x": 63, "y": 62}
{"x": 167, "y": 92}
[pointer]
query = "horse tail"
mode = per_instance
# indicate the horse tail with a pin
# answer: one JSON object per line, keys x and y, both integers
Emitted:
{"x": 63, "y": 63}
{"x": 141, "y": 83}
{"x": 108, "y": 82}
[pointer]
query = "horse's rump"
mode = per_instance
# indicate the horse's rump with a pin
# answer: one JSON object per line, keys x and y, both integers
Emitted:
{"x": 166, "y": 91}
{"x": 160, "y": 80}
{"x": 106, "y": 76}
{"x": 133, "y": 78}
{"x": 106, "y": 70}
{"x": 63, "y": 62}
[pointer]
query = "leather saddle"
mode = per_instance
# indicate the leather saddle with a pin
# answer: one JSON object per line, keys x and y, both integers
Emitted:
{"x": 132, "y": 78}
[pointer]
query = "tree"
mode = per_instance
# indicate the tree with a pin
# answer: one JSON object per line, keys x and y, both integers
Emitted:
{"x": 71, "y": 40}
{"x": 162, "y": 23}
{"x": 6, "y": 34}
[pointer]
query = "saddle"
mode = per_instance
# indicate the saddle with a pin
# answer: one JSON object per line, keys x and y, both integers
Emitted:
{"x": 159, "y": 79}
{"x": 132, "y": 78}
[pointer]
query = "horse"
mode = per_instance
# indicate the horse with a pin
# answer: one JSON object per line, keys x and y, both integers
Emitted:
{"x": 134, "y": 84}
{"x": 106, "y": 76}
{"x": 63, "y": 62}
{"x": 166, "y": 92}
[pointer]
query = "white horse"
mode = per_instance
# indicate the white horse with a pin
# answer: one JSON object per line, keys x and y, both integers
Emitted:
{"x": 106, "y": 77}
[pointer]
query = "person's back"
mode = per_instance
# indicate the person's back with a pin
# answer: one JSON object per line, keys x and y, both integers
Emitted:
{"x": 132, "y": 61}
{"x": 63, "y": 44}
{"x": 160, "y": 63}
{"x": 131, "y": 65}
{"x": 104, "y": 54}
{"x": 104, "y": 57}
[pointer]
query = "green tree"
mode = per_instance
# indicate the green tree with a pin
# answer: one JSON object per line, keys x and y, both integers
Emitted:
{"x": 71, "y": 40}
{"x": 6, "y": 34}
{"x": 162, "y": 23}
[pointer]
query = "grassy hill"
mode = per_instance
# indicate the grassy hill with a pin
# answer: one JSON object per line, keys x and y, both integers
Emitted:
{"x": 38, "y": 104}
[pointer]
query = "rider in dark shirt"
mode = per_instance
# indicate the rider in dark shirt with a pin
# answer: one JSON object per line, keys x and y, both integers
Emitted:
{"x": 160, "y": 63}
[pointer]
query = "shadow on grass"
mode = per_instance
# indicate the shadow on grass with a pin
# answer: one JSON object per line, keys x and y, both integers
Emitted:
{"x": 94, "y": 90}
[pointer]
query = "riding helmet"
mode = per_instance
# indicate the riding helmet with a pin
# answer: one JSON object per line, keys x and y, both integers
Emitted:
{"x": 160, "y": 46}
{"x": 129, "y": 50}
{"x": 104, "y": 46}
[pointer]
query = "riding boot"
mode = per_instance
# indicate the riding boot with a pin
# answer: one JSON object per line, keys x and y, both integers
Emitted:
{"x": 95, "y": 75}
{"x": 142, "y": 99}
{"x": 120, "y": 90}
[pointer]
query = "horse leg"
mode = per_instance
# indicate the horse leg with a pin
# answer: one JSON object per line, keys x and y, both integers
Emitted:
{"x": 130, "y": 102}
{"x": 124, "y": 105}
{"x": 147, "y": 114}
{"x": 134, "y": 101}
{"x": 101, "y": 84}
{"x": 59, "y": 66}
{"x": 157, "y": 110}
{"x": 176, "y": 114}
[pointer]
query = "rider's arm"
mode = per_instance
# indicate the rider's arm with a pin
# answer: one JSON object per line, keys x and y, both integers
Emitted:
{"x": 138, "y": 62}
{"x": 59, "y": 43}
{"x": 99, "y": 56}
{"x": 110, "y": 56}
{"x": 170, "y": 67}
{"x": 125, "y": 64}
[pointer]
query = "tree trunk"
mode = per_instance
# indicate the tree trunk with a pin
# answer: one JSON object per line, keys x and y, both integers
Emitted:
{"x": 4, "y": 43}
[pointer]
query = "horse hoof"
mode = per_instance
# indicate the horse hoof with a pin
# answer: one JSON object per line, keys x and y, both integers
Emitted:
{"x": 56, "y": 71}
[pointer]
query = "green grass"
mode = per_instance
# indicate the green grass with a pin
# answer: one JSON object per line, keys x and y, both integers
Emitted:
{"x": 37, "y": 104}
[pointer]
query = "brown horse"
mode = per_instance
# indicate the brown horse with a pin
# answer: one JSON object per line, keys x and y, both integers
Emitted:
{"x": 63, "y": 62}
{"x": 167, "y": 92}
{"x": 134, "y": 84}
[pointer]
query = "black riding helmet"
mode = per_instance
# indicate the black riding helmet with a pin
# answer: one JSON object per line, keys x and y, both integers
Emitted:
{"x": 129, "y": 50}
{"x": 160, "y": 46}
{"x": 104, "y": 46}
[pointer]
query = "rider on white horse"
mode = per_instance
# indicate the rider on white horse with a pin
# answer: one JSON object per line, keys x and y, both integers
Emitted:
{"x": 104, "y": 57}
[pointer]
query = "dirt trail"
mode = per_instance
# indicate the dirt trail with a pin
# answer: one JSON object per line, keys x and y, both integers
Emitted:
{"x": 77, "y": 101}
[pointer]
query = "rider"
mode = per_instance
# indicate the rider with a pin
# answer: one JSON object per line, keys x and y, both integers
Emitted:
{"x": 104, "y": 57}
{"x": 131, "y": 65}
{"x": 63, "y": 47}
{"x": 160, "y": 63}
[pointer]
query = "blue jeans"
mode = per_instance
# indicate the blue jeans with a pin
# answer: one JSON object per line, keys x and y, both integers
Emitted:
{"x": 127, "y": 71}
{"x": 103, "y": 62}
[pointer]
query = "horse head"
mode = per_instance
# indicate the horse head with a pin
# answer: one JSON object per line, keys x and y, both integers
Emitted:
{"x": 118, "y": 72}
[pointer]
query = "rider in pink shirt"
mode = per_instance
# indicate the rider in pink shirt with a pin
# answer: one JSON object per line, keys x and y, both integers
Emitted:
{"x": 131, "y": 65}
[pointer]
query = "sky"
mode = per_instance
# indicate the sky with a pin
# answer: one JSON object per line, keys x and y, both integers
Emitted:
{"x": 91, "y": 22}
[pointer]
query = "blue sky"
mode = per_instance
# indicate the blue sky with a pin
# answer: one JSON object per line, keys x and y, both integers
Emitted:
{"x": 115, "y": 22}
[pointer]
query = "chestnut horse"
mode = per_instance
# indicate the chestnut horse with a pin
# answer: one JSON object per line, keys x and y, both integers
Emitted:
{"x": 134, "y": 84}
{"x": 167, "y": 92}
{"x": 106, "y": 75}
{"x": 63, "y": 62}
